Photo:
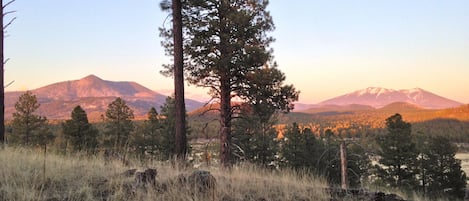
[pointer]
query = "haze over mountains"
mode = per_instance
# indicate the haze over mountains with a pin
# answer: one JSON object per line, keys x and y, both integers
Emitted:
{"x": 94, "y": 95}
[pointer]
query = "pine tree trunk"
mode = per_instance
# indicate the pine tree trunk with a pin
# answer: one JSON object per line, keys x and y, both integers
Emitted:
{"x": 225, "y": 89}
{"x": 2, "y": 92}
{"x": 180, "y": 116}
{"x": 225, "y": 114}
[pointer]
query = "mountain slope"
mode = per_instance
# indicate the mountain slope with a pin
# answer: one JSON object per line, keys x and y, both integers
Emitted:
{"x": 93, "y": 86}
{"x": 379, "y": 97}
{"x": 94, "y": 95}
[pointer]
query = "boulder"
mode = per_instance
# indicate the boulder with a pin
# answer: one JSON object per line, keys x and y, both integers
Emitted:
{"x": 146, "y": 177}
{"x": 201, "y": 181}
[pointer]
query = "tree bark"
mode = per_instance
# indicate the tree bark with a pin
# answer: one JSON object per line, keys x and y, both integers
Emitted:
{"x": 225, "y": 114}
{"x": 2, "y": 92}
{"x": 180, "y": 116}
{"x": 225, "y": 89}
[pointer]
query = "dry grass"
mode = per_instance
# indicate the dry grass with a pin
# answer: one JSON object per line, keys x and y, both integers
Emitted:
{"x": 78, "y": 177}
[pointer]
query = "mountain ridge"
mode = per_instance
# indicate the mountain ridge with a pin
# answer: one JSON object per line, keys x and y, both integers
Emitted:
{"x": 379, "y": 97}
{"x": 93, "y": 94}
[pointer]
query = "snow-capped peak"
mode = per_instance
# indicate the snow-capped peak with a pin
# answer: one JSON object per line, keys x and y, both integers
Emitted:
{"x": 373, "y": 90}
{"x": 379, "y": 97}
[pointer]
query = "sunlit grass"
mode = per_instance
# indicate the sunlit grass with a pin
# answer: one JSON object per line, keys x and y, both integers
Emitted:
{"x": 80, "y": 177}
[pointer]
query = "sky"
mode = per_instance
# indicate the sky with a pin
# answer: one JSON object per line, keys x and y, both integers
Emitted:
{"x": 325, "y": 48}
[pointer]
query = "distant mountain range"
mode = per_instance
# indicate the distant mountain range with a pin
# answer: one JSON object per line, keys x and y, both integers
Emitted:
{"x": 94, "y": 95}
{"x": 379, "y": 97}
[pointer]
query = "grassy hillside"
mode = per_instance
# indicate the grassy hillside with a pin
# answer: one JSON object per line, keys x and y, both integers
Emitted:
{"x": 78, "y": 177}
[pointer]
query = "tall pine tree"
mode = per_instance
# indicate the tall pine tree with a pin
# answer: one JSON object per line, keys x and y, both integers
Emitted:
{"x": 28, "y": 127}
{"x": 301, "y": 149}
{"x": 119, "y": 125}
{"x": 441, "y": 170}
{"x": 147, "y": 137}
{"x": 224, "y": 42}
{"x": 398, "y": 156}
{"x": 79, "y": 132}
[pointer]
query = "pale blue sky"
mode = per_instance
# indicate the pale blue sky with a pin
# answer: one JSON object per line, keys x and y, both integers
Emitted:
{"x": 326, "y": 48}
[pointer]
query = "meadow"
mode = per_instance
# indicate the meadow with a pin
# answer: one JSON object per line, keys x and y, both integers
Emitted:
{"x": 29, "y": 175}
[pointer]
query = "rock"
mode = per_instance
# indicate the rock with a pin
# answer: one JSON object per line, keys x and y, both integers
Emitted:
{"x": 146, "y": 177}
{"x": 201, "y": 180}
{"x": 129, "y": 173}
{"x": 364, "y": 195}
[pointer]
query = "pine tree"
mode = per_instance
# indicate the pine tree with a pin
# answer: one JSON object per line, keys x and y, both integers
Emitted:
{"x": 79, "y": 132}
{"x": 118, "y": 125}
{"x": 444, "y": 177}
{"x": 224, "y": 42}
{"x": 301, "y": 149}
{"x": 398, "y": 154}
{"x": 254, "y": 137}
{"x": 147, "y": 137}
{"x": 28, "y": 127}
{"x": 167, "y": 147}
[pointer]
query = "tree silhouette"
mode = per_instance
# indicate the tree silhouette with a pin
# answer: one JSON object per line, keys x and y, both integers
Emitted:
{"x": 398, "y": 154}
{"x": 147, "y": 137}
{"x": 440, "y": 169}
{"x": 118, "y": 124}
{"x": 81, "y": 134}
{"x": 28, "y": 127}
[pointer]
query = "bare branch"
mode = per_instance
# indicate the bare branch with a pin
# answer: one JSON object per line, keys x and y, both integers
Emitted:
{"x": 209, "y": 101}
{"x": 9, "y": 23}
{"x": 210, "y": 109}
{"x": 6, "y": 61}
{"x": 9, "y": 84}
{"x": 9, "y": 12}
{"x": 10, "y": 2}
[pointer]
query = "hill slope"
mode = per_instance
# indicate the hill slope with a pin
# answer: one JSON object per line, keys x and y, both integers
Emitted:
{"x": 93, "y": 94}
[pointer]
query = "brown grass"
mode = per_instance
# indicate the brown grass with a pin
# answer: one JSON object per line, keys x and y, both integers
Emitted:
{"x": 79, "y": 177}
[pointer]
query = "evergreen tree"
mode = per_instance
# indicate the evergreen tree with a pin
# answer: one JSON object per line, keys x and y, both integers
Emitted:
{"x": 358, "y": 161}
{"x": 398, "y": 154}
{"x": 301, "y": 149}
{"x": 118, "y": 125}
{"x": 224, "y": 42}
{"x": 147, "y": 138}
{"x": 29, "y": 128}
{"x": 176, "y": 40}
{"x": 79, "y": 132}
{"x": 444, "y": 177}
{"x": 254, "y": 137}
{"x": 167, "y": 139}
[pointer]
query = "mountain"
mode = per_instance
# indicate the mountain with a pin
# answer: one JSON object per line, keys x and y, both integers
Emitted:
{"x": 93, "y": 94}
{"x": 93, "y": 86}
{"x": 379, "y": 97}
{"x": 337, "y": 109}
{"x": 399, "y": 107}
